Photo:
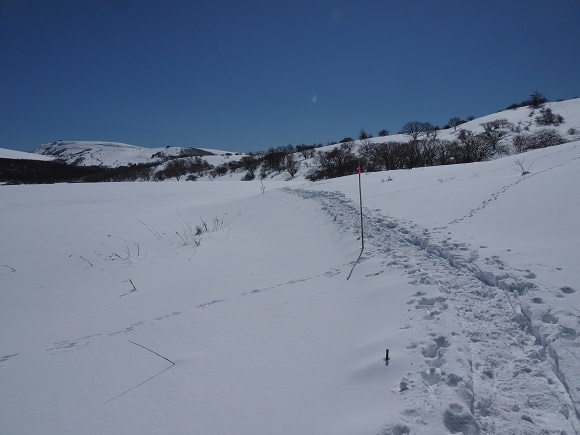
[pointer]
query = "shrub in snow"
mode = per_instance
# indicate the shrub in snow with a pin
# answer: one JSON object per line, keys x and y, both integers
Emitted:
{"x": 219, "y": 171}
{"x": 454, "y": 122}
{"x": 536, "y": 100}
{"x": 181, "y": 167}
{"x": 547, "y": 117}
{"x": 307, "y": 151}
{"x": 273, "y": 159}
{"x": 496, "y": 130}
{"x": 470, "y": 147}
{"x": 363, "y": 134}
{"x": 524, "y": 170}
{"x": 249, "y": 176}
{"x": 338, "y": 162}
{"x": 291, "y": 164}
{"x": 547, "y": 137}
{"x": 543, "y": 138}
{"x": 250, "y": 164}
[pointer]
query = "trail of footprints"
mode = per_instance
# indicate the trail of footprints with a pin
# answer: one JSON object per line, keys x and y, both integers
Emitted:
{"x": 85, "y": 341}
{"x": 494, "y": 196}
{"x": 81, "y": 342}
{"x": 492, "y": 373}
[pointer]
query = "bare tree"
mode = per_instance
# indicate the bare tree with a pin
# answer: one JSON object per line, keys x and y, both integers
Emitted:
{"x": 431, "y": 131}
{"x": 363, "y": 134}
{"x": 414, "y": 129}
{"x": 369, "y": 154}
{"x": 307, "y": 151}
{"x": 455, "y": 122}
{"x": 494, "y": 131}
{"x": 338, "y": 162}
{"x": 411, "y": 154}
{"x": 470, "y": 148}
{"x": 537, "y": 100}
{"x": 250, "y": 164}
{"x": 443, "y": 152}
{"x": 291, "y": 164}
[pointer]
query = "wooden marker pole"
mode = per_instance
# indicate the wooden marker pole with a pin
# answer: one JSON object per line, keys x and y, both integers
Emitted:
{"x": 362, "y": 233}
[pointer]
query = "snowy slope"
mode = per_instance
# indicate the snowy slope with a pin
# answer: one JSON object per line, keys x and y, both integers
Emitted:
{"x": 522, "y": 118}
{"x": 108, "y": 154}
{"x": 19, "y": 155}
{"x": 272, "y": 321}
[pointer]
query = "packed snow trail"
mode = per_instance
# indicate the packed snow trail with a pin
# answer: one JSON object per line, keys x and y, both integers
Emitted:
{"x": 487, "y": 368}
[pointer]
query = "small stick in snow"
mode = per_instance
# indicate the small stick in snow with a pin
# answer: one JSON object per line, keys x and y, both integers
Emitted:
{"x": 138, "y": 385}
{"x": 152, "y": 351}
{"x": 86, "y": 260}
{"x": 387, "y": 357}
{"x": 146, "y": 380}
{"x": 134, "y": 288}
{"x": 11, "y": 268}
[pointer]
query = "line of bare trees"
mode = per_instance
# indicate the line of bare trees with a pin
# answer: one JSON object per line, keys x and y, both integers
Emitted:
{"x": 285, "y": 159}
{"x": 424, "y": 148}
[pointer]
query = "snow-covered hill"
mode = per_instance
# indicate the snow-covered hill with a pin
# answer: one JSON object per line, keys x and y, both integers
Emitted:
{"x": 521, "y": 121}
{"x": 176, "y": 162}
{"x": 215, "y": 307}
{"x": 522, "y": 118}
{"x": 111, "y": 154}
{"x": 20, "y": 155}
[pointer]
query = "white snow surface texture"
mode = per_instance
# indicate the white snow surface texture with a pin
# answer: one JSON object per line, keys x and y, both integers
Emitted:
{"x": 210, "y": 307}
{"x": 21, "y": 155}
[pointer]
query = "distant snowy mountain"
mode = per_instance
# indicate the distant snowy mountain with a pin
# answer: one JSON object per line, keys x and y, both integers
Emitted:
{"x": 19, "y": 155}
{"x": 112, "y": 154}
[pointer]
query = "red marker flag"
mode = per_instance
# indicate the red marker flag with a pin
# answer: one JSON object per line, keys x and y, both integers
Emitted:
{"x": 358, "y": 169}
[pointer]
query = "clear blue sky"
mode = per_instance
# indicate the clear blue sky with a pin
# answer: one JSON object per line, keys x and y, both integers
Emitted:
{"x": 249, "y": 75}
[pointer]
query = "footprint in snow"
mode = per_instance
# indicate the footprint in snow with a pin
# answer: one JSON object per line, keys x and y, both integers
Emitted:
{"x": 549, "y": 318}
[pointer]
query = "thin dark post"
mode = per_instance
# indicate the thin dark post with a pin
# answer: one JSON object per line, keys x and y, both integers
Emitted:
{"x": 387, "y": 357}
{"x": 362, "y": 233}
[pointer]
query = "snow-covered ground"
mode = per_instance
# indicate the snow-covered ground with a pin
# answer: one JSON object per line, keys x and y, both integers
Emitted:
{"x": 116, "y": 317}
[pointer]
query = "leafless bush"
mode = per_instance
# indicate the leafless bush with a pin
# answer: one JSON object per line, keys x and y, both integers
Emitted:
{"x": 543, "y": 138}
{"x": 520, "y": 166}
{"x": 496, "y": 130}
{"x": 547, "y": 117}
{"x": 470, "y": 147}
{"x": 291, "y": 164}
{"x": 338, "y": 162}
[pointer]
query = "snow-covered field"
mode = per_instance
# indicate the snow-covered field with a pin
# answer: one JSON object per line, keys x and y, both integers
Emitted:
{"x": 116, "y": 317}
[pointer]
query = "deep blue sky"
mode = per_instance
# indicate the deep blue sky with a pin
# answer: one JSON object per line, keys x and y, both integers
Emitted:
{"x": 248, "y": 75}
